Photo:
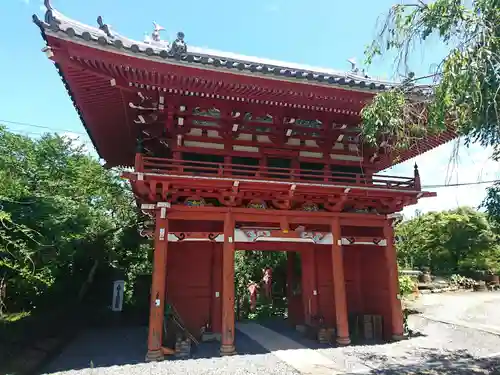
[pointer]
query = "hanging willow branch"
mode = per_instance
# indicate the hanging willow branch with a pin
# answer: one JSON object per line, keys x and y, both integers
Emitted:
{"x": 464, "y": 94}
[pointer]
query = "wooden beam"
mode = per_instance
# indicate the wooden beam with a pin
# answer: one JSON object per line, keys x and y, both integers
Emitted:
{"x": 273, "y": 246}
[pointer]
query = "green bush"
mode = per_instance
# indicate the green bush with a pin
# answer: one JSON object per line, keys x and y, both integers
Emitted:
{"x": 406, "y": 285}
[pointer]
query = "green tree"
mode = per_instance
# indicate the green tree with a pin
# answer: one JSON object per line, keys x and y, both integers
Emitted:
{"x": 461, "y": 93}
{"x": 248, "y": 267}
{"x": 449, "y": 241}
{"x": 63, "y": 218}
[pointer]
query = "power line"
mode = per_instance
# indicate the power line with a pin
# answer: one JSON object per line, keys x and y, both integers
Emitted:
{"x": 461, "y": 184}
{"x": 41, "y": 127}
{"x": 26, "y": 133}
{"x": 87, "y": 142}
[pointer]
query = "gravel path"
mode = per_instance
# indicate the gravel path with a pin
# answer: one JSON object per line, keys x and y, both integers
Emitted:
{"x": 439, "y": 345}
{"x": 444, "y": 349}
{"x": 237, "y": 365}
{"x": 122, "y": 351}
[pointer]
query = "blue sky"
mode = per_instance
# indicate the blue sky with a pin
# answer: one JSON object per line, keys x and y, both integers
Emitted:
{"x": 321, "y": 33}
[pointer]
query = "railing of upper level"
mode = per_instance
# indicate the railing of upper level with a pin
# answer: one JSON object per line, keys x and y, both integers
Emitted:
{"x": 261, "y": 173}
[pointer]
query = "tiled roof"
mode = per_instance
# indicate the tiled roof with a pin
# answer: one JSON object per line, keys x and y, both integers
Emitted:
{"x": 55, "y": 22}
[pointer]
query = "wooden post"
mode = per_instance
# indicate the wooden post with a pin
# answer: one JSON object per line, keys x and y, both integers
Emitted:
{"x": 158, "y": 288}
{"x": 339, "y": 286}
{"x": 177, "y": 155}
{"x": 227, "y": 339}
{"x": 392, "y": 274}
{"x": 139, "y": 165}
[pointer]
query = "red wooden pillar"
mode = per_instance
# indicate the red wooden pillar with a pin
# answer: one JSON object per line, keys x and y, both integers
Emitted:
{"x": 139, "y": 164}
{"x": 227, "y": 339}
{"x": 392, "y": 274}
{"x": 158, "y": 288}
{"x": 339, "y": 286}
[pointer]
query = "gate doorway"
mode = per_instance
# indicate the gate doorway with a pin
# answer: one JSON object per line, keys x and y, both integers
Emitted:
{"x": 267, "y": 286}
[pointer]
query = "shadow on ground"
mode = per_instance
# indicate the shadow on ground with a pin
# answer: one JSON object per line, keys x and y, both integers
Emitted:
{"x": 458, "y": 362}
{"x": 106, "y": 347}
{"x": 283, "y": 327}
{"x": 101, "y": 348}
{"x": 128, "y": 346}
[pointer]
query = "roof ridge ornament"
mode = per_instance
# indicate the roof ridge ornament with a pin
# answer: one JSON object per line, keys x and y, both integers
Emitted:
{"x": 179, "y": 46}
{"x": 155, "y": 35}
{"x": 355, "y": 70}
{"x": 49, "y": 17}
{"x": 104, "y": 27}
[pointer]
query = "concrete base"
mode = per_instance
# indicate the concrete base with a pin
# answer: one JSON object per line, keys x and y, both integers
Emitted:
{"x": 343, "y": 340}
{"x": 226, "y": 350}
{"x": 398, "y": 337}
{"x": 155, "y": 355}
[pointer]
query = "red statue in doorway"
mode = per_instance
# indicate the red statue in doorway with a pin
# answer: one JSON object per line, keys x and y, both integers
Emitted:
{"x": 268, "y": 281}
{"x": 252, "y": 288}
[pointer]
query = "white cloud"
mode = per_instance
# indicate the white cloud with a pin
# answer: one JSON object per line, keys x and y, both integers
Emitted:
{"x": 438, "y": 167}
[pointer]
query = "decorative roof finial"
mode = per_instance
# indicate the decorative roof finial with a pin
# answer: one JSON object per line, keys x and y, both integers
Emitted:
{"x": 104, "y": 27}
{"x": 179, "y": 46}
{"x": 354, "y": 68}
{"x": 49, "y": 15}
{"x": 156, "y": 32}
{"x": 416, "y": 176}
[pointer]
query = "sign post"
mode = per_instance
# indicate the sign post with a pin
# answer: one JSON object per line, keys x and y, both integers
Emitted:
{"x": 117, "y": 302}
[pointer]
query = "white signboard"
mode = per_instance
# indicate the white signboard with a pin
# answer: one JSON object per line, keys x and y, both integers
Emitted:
{"x": 117, "y": 302}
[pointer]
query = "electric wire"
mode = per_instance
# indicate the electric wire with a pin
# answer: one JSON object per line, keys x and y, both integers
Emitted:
{"x": 87, "y": 142}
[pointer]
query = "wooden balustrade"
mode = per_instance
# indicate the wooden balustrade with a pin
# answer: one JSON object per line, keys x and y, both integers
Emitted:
{"x": 256, "y": 172}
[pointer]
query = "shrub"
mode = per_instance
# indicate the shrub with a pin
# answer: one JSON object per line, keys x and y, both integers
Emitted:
{"x": 406, "y": 285}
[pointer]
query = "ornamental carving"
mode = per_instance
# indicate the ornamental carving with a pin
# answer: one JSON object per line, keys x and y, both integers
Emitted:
{"x": 155, "y": 35}
{"x": 257, "y": 204}
{"x": 195, "y": 202}
{"x": 229, "y": 199}
{"x": 309, "y": 207}
{"x": 146, "y": 228}
{"x": 104, "y": 27}
{"x": 315, "y": 236}
{"x": 366, "y": 210}
{"x": 146, "y": 103}
{"x": 179, "y": 47}
{"x": 254, "y": 234}
{"x": 56, "y": 20}
{"x": 49, "y": 16}
{"x": 197, "y": 236}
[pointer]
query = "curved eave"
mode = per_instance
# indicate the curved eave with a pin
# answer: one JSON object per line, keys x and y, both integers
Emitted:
{"x": 223, "y": 61}
{"x": 421, "y": 148}
{"x": 71, "y": 95}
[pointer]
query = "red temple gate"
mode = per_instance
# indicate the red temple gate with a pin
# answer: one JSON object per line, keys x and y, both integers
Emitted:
{"x": 228, "y": 153}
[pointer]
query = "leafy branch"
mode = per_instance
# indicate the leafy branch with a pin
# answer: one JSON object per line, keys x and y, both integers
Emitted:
{"x": 463, "y": 94}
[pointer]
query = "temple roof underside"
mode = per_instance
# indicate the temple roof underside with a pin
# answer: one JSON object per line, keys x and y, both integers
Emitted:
{"x": 186, "y": 97}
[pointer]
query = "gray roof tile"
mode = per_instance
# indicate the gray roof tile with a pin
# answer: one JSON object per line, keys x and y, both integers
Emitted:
{"x": 56, "y": 22}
